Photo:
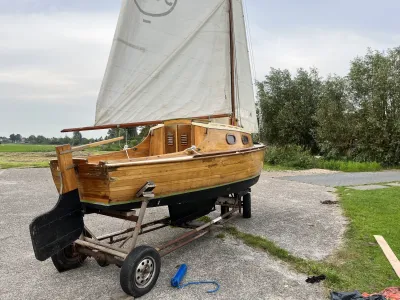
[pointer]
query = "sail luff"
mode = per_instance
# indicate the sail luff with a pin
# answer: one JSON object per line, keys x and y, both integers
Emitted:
{"x": 232, "y": 64}
{"x": 245, "y": 100}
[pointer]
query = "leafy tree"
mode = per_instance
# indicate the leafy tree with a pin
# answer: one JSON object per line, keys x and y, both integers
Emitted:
{"x": 76, "y": 138}
{"x": 12, "y": 138}
{"x": 375, "y": 86}
{"x": 130, "y": 133}
{"x": 31, "y": 139}
{"x": 40, "y": 139}
{"x": 288, "y": 106}
{"x": 335, "y": 118}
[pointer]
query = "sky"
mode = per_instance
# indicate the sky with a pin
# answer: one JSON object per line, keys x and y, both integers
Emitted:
{"x": 53, "y": 53}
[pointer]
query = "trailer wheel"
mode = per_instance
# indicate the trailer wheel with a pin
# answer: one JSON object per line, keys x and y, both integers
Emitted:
{"x": 67, "y": 259}
{"x": 140, "y": 270}
{"x": 247, "y": 206}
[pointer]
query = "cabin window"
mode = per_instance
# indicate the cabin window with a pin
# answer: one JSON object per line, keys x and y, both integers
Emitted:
{"x": 184, "y": 139}
{"x": 245, "y": 139}
{"x": 170, "y": 139}
{"x": 230, "y": 139}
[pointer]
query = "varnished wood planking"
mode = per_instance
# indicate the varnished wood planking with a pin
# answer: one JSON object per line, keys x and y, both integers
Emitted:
{"x": 65, "y": 165}
{"x": 102, "y": 180}
{"x": 198, "y": 163}
{"x": 183, "y": 167}
{"x": 239, "y": 167}
{"x": 157, "y": 143}
{"x": 200, "y": 133}
{"x": 216, "y": 141}
{"x": 122, "y": 183}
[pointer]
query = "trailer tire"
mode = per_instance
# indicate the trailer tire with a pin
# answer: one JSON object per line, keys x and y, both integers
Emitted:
{"x": 140, "y": 270}
{"x": 68, "y": 259}
{"x": 247, "y": 206}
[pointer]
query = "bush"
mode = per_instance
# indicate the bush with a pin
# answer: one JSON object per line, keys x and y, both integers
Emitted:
{"x": 348, "y": 166}
{"x": 289, "y": 156}
{"x": 295, "y": 157}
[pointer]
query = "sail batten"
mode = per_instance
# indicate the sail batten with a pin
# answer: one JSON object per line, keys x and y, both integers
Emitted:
{"x": 169, "y": 59}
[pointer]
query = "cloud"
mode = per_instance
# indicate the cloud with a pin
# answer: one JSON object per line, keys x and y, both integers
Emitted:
{"x": 330, "y": 51}
{"x": 50, "y": 59}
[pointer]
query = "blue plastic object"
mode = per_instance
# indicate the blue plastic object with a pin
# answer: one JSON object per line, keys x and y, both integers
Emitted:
{"x": 180, "y": 274}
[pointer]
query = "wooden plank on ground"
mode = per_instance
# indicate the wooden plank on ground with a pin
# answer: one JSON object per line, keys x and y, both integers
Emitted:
{"x": 389, "y": 254}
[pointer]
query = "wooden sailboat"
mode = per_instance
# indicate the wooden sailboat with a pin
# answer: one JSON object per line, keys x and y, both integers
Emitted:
{"x": 185, "y": 64}
{"x": 224, "y": 156}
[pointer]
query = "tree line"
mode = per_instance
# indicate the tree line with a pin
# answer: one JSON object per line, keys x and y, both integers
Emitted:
{"x": 76, "y": 139}
{"x": 134, "y": 136}
{"x": 352, "y": 117}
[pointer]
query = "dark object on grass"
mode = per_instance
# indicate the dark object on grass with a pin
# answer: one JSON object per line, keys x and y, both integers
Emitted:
{"x": 315, "y": 279}
{"x": 354, "y": 296}
{"x": 329, "y": 202}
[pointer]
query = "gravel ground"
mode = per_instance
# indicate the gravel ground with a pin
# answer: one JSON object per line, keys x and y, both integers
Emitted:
{"x": 287, "y": 212}
{"x": 291, "y": 214}
{"x": 346, "y": 179}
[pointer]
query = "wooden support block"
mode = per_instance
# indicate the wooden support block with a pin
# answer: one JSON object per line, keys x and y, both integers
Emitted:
{"x": 389, "y": 254}
{"x": 68, "y": 176}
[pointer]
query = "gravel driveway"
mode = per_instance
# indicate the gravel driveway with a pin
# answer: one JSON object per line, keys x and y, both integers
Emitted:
{"x": 290, "y": 213}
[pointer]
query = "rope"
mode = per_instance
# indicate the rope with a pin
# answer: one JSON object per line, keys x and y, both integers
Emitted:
{"x": 202, "y": 282}
{"x": 192, "y": 149}
{"x": 126, "y": 147}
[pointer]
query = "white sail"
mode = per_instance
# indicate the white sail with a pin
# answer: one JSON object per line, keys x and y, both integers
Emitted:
{"x": 245, "y": 100}
{"x": 171, "y": 59}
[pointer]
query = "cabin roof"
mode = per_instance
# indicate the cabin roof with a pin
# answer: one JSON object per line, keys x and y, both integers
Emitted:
{"x": 211, "y": 125}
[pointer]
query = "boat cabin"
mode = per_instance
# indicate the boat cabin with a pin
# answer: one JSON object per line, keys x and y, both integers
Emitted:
{"x": 176, "y": 138}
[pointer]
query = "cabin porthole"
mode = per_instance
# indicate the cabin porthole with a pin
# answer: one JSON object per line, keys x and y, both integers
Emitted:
{"x": 245, "y": 139}
{"x": 230, "y": 139}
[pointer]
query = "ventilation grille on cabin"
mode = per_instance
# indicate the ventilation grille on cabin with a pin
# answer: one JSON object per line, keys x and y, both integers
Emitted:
{"x": 170, "y": 139}
{"x": 184, "y": 139}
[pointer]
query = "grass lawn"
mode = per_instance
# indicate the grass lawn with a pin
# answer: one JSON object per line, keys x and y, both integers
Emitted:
{"x": 26, "y": 148}
{"x": 32, "y": 156}
{"x": 375, "y": 212}
{"x": 334, "y": 165}
{"x": 360, "y": 264}
{"x": 348, "y": 166}
{"x": 4, "y": 164}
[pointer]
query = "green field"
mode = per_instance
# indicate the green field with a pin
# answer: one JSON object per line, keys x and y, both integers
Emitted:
{"x": 33, "y": 156}
{"x": 26, "y": 148}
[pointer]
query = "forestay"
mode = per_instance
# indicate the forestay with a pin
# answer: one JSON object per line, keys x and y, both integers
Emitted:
{"x": 171, "y": 59}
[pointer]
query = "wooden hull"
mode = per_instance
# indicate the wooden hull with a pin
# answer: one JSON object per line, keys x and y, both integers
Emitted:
{"x": 179, "y": 177}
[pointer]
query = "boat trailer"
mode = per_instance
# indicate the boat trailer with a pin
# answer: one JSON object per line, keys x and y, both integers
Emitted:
{"x": 62, "y": 235}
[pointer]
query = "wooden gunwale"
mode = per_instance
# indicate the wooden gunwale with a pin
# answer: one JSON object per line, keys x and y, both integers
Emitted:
{"x": 192, "y": 157}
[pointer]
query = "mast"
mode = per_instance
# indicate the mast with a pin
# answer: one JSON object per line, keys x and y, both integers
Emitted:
{"x": 232, "y": 62}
